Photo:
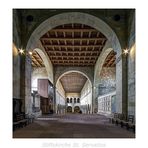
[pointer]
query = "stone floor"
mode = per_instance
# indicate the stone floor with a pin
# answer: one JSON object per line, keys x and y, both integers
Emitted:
{"x": 72, "y": 126}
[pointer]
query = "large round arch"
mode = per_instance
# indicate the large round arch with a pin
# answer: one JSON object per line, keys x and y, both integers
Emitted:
{"x": 74, "y": 17}
{"x": 101, "y": 61}
{"x": 47, "y": 63}
{"x": 73, "y": 71}
{"x": 89, "y": 82}
{"x": 92, "y": 21}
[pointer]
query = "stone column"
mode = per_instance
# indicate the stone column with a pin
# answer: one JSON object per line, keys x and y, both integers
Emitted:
{"x": 94, "y": 98}
{"x": 22, "y": 81}
{"x": 54, "y": 92}
{"x": 121, "y": 84}
{"x": 25, "y": 85}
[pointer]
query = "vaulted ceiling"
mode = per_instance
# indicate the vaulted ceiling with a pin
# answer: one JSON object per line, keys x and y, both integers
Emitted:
{"x": 73, "y": 82}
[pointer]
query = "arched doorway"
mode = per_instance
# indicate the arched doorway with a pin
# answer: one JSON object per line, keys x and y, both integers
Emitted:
{"x": 69, "y": 109}
{"x": 83, "y": 18}
{"x": 42, "y": 79}
{"x": 77, "y": 88}
{"x": 76, "y": 109}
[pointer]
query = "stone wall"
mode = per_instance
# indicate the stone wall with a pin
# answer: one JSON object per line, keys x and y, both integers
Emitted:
{"x": 38, "y": 73}
{"x": 16, "y": 57}
{"x": 48, "y": 65}
{"x": 107, "y": 80}
{"x": 16, "y": 73}
{"x": 69, "y": 95}
{"x": 131, "y": 65}
{"x": 73, "y": 103}
{"x": 60, "y": 89}
{"x": 86, "y": 98}
{"x": 39, "y": 16}
{"x": 87, "y": 71}
{"x": 60, "y": 99}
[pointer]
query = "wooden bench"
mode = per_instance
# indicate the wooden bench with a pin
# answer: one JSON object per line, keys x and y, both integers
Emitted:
{"x": 19, "y": 121}
{"x": 115, "y": 117}
{"x": 120, "y": 118}
{"x": 30, "y": 118}
{"x": 129, "y": 123}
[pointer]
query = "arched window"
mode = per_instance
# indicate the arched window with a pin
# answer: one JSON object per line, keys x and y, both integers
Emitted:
{"x": 67, "y": 100}
{"x": 78, "y": 100}
{"x": 75, "y": 101}
{"x": 70, "y": 100}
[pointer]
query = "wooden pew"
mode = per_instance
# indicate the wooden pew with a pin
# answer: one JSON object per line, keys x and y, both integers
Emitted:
{"x": 19, "y": 121}
{"x": 129, "y": 123}
{"x": 113, "y": 117}
{"x": 120, "y": 118}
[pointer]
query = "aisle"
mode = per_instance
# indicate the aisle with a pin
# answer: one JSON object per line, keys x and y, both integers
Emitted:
{"x": 72, "y": 126}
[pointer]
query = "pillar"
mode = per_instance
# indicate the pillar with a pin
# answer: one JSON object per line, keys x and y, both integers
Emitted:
{"x": 25, "y": 84}
{"x": 121, "y": 84}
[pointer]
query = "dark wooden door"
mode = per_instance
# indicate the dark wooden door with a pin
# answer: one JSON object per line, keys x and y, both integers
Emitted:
{"x": 45, "y": 105}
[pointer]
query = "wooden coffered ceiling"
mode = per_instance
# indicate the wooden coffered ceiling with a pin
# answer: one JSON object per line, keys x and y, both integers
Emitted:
{"x": 73, "y": 45}
{"x": 73, "y": 82}
{"x": 36, "y": 60}
{"x": 110, "y": 60}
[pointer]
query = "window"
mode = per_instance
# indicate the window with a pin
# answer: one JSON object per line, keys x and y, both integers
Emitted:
{"x": 67, "y": 100}
{"x": 70, "y": 100}
{"x": 78, "y": 100}
{"x": 75, "y": 100}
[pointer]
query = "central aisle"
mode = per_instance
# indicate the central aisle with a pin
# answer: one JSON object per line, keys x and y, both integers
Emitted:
{"x": 72, "y": 126}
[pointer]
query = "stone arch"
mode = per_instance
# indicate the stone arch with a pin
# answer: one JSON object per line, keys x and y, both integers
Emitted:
{"x": 69, "y": 109}
{"x": 119, "y": 74}
{"x": 62, "y": 74}
{"x": 76, "y": 109}
{"x": 87, "y": 19}
{"x": 47, "y": 63}
{"x": 98, "y": 67}
{"x": 101, "y": 60}
{"x": 74, "y": 17}
{"x": 84, "y": 74}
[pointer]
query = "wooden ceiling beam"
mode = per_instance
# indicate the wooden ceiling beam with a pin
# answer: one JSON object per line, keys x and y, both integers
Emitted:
{"x": 73, "y": 30}
{"x": 70, "y": 56}
{"x": 110, "y": 61}
{"x": 72, "y": 38}
{"x": 71, "y": 46}
{"x": 113, "y": 64}
{"x": 56, "y": 34}
{"x": 89, "y": 34}
{"x": 48, "y": 34}
{"x": 37, "y": 61}
{"x": 74, "y": 64}
{"x": 64, "y": 34}
{"x": 73, "y": 52}
{"x": 98, "y": 33}
{"x": 34, "y": 64}
{"x": 64, "y": 45}
{"x": 72, "y": 61}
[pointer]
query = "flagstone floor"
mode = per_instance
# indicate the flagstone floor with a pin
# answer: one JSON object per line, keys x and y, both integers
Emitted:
{"x": 72, "y": 126}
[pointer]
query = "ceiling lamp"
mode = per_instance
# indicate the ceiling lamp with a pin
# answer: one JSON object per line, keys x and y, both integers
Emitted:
{"x": 21, "y": 51}
{"x": 30, "y": 53}
{"x": 125, "y": 51}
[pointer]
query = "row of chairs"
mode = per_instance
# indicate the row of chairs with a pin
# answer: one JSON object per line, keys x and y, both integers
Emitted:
{"x": 21, "y": 120}
{"x": 123, "y": 121}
